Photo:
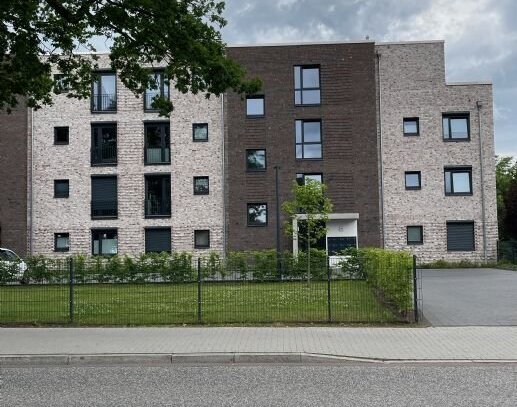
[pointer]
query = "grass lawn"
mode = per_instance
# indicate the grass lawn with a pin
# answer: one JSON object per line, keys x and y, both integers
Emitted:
{"x": 222, "y": 303}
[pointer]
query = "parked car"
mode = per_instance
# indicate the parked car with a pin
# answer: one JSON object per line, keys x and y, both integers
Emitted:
{"x": 12, "y": 267}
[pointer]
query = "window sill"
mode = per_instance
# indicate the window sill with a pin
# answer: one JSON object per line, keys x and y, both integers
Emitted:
{"x": 104, "y": 217}
{"x": 307, "y": 104}
{"x": 309, "y": 159}
{"x": 415, "y": 243}
{"x": 413, "y": 188}
{"x": 262, "y": 171}
{"x": 61, "y": 197}
{"x": 104, "y": 164}
{"x": 411, "y": 134}
{"x": 202, "y": 247}
{"x": 256, "y": 226}
{"x": 61, "y": 143}
{"x": 258, "y": 116}
{"x": 200, "y": 141}
{"x": 465, "y": 194}
{"x": 157, "y": 216}
{"x": 164, "y": 163}
{"x": 456, "y": 140}
{"x": 201, "y": 194}
{"x": 61, "y": 250}
{"x": 103, "y": 111}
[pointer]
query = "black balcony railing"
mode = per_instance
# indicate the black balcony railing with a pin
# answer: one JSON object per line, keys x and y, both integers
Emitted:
{"x": 104, "y": 154}
{"x": 157, "y": 207}
{"x": 104, "y": 102}
{"x": 104, "y": 209}
{"x": 157, "y": 155}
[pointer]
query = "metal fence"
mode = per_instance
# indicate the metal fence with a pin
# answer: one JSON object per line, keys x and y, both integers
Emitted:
{"x": 507, "y": 251}
{"x": 180, "y": 290}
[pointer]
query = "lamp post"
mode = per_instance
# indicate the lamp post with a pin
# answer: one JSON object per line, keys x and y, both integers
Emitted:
{"x": 278, "y": 262}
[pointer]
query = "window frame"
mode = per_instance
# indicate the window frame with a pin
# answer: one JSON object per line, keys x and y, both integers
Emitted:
{"x": 62, "y": 196}
{"x": 461, "y": 222}
{"x": 152, "y": 228}
{"x": 196, "y": 246}
{"x": 92, "y": 104}
{"x": 410, "y": 188}
{"x": 302, "y": 143}
{"x": 61, "y": 143}
{"x": 411, "y": 119}
{"x": 304, "y": 174}
{"x": 162, "y": 175}
{"x": 199, "y": 177}
{"x": 99, "y": 230}
{"x": 248, "y": 169}
{"x": 60, "y": 250}
{"x": 163, "y": 135}
{"x": 259, "y": 225}
{"x": 98, "y": 125}
{"x": 194, "y": 133}
{"x": 453, "y": 170}
{"x": 256, "y": 116}
{"x": 301, "y": 88}
{"x": 415, "y": 242}
{"x": 459, "y": 115}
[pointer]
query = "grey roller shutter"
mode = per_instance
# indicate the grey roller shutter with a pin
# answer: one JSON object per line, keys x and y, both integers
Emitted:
{"x": 158, "y": 240}
{"x": 104, "y": 196}
{"x": 460, "y": 236}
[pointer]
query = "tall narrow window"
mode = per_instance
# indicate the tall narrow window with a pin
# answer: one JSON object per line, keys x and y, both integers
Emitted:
{"x": 104, "y": 144}
{"x": 104, "y": 92}
{"x": 308, "y": 139}
{"x": 456, "y": 127}
{"x": 61, "y": 188}
{"x": 458, "y": 181}
{"x": 158, "y": 88}
{"x": 104, "y": 242}
{"x": 157, "y": 143}
{"x": 307, "y": 85}
{"x": 256, "y": 160}
{"x": 158, "y": 195}
{"x": 255, "y": 106}
{"x": 104, "y": 197}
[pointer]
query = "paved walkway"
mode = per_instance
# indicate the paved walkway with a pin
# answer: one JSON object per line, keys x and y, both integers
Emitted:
{"x": 411, "y": 344}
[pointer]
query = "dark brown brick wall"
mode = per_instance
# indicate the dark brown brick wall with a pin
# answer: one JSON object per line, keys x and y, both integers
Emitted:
{"x": 13, "y": 180}
{"x": 348, "y": 115}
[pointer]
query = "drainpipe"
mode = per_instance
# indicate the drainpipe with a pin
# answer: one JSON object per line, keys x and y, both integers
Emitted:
{"x": 223, "y": 175}
{"x": 381, "y": 170}
{"x": 31, "y": 188}
{"x": 479, "y": 105}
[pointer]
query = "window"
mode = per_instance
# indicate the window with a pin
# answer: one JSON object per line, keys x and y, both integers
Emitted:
{"x": 61, "y": 188}
{"x": 201, "y": 186}
{"x": 460, "y": 236}
{"x": 413, "y": 180}
{"x": 157, "y": 143}
{"x": 307, "y": 85}
{"x": 458, "y": 181}
{"x": 255, "y": 106}
{"x": 104, "y": 92}
{"x": 61, "y": 242}
{"x": 257, "y": 214}
{"x": 411, "y": 126}
{"x": 302, "y": 179}
{"x": 200, "y": 132}
{"x": 159, "y": 88}
{"x": 415, "y": 235}
{"x": 61, "y": 135}
{"x": 308, "y": 139}
{"x": 104, "y": 242}
{"x": 158, "y": 195}
{"x": 201, "y": 239}
{"x": 336, "y": 245}
{"x": 104, "y": 197}
{"x": 104, "y": 144}
{"x": 456, "y": 127}
{"x": 256, "y": 160}
{"x": 157, "y": 240}
{"x": 61, "y": 83}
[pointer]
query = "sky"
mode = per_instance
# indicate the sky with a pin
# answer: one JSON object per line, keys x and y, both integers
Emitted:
{"x": 480, "y": 37}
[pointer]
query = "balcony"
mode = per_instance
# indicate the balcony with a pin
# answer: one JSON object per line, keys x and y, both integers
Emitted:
{"x": 104, "y": 102}
{"x": 104, "y": 209}
{"x": 157, "y": 155}
{"x": 104, "y": 155}
{"x": 157, "y": 207}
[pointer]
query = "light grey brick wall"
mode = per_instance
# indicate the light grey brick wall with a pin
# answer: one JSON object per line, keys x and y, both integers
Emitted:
{"x": 188, "y": 159}
{"x": 412, "y": 84}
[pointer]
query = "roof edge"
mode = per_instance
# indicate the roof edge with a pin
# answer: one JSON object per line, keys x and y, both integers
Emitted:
{"x": 410, "y": 42}
{"x": 483, "y": 83}
{"x": 283, "y": 44}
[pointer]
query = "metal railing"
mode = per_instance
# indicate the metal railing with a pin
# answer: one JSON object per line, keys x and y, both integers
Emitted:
{"x": 507, "y": 251}
{"x": 157, "y": 207}
{"x": 104, "y": 209}
{"x": 157, "y": 155}
{"x": 104, "y": 102}
{"x": 104, "y": 154}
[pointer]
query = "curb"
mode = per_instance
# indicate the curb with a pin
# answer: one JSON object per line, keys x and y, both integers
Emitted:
{"x": 154, "y": 359}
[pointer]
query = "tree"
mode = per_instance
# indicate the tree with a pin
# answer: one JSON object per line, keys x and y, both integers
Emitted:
{"x": 510, "y": 201}
{"x": 506, "y": 175}
{"x": 310, "y": 201}
{"x": 182, "y": 34}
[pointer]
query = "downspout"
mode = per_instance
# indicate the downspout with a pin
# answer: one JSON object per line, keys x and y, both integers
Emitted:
{"x": 381, "y": 169}
{"x": 223, "y": 173}
{"x": 31, "y": 182}
{"x": 482, "y": 174}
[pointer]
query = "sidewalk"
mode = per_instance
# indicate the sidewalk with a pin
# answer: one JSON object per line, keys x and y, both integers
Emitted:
{"x": 259, "y": 344}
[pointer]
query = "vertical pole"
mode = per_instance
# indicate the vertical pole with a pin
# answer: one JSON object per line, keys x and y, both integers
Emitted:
{"x": 277, "y": 209}
{"x": 71, "y": 288}
{"x": 199, "y": 319}
{"x": 329, "y": 308}
{"x": 415, "y": 290}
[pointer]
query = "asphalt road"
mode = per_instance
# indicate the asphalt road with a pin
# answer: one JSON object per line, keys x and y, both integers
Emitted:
{"x": 464, "y": 297}
{"x": 262, "y": 385}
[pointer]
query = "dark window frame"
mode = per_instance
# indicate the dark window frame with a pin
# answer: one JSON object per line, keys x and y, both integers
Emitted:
{"x": 99, "y": 230}
{"x": 196, "y": 246}
{"x": 304, "y": 174}
{"x": 254, "y": 225}
{"x": 198, "y": 177}
{"x": 302, "y": 143}
{"x": 248, "y": 169}
{"x": 415, "y": 242}
{"x": 256, "y": 116}
{"x": 163, "y": 135}
{"x": 146, "y": 229}
{"x": 56, "y": 130}
{"x": 462, "y": 222}
{"x": 108, "y": 163}
{"x": 150, "y": 109}
{"x": 410, "y": 188}
{"x": 411, "y": 119}
{"x": 97, "y": 217}
{"x": 301, "y": 88}
{"x": 56, "y": 236}
{"x": 194, "y": 139}
{"x": 453, "y": 170}
{"x": 64, "y": 195}
{"x": 167, "y": 213}
{"x": 449, "y": 116}
{"x": 99, "y": 97}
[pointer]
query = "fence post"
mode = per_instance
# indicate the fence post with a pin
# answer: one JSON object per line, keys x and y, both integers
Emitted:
{"x": 415, "y": 290}
{"x": 71, "y": 288}
{"x": 199, "y": 319}
{"x": 329, "y": 307}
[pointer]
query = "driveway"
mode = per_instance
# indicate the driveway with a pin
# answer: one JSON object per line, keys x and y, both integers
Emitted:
{"x": 463, "y": 297}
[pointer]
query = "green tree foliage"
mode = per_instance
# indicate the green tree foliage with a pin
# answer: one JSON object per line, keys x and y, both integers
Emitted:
{"x": 506, "y": 181}
{"x": 181, "y": 34}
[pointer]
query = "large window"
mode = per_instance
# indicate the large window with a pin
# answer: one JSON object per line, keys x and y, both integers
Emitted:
{"x": 61, "y": 188}
{"x": 413, "y": 179}
{"x": 257, "y": 214}
{"x": 104, "y": 197}
{"x": 104, "y": 242}
{"x": 200, "y": 132}
{"x": 158, "y": 88}
{"x": 415, "y": 235}
{"x": 307, "y": 85}
{"x": 255, "y": 106}
{"x": 460, "y": 236}
{"x": 458, "y": 181}
{"x": 308, "y": 139}
{"x": 157, "y": 143}
{"x": 104, "y": 144}
{"x": 256, "y": 160}
{"x": 201, "y": 185}
{"x": 61, "y": 242}
{"x": 157, "y": 240}
{"x": 302, "y": 179}
{"x": 456, "y": 127}
{"x": 201, "y": 239}
{"x": 411, "y": 126}
{"x": 158, "y": 195}
{"x": 61, "y": 135}
{"x": 104, "y": 92}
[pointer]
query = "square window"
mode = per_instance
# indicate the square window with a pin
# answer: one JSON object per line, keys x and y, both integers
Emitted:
{"x": 201, "y": 239}
{"x": 201, "y": 186}
{"x": 104, "y": 242}
{"x": 415, "y": 235}
{"x": 257, "y": 214}
{"x": 255, "y": 106}
{"x": 61, "y": 188}
{"x": 411, "y": 126}
{"x": 456, "y": 127}
{"x": 413, "y": 180}
{"x": 308, "y": 139}
{"x": 200, "y": 132}
{"x": 61, "y": 83}
{"x": 458, "y": 181}
{"x": 256, "y": 160}
{"x": 307, "y": 85}
{"x": 61, "y": 135}
{"x": 460, "y": 236}
{"x": 157, "y": 240}
{"x": 61, "y": 242}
